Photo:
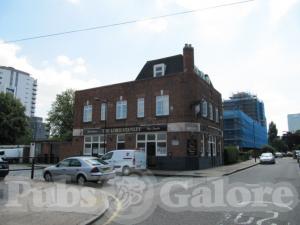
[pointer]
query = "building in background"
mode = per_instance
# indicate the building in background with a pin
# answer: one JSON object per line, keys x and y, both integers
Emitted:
{"x": 39, "y": 130}
{"x": 21, "y": 85}
{"x": 294, "y": 122}
{"x": 242, "y": 131}
{"x": 244, "y": 121}
{"x": 248, "y": 104}
{"x": 171, "y": 111}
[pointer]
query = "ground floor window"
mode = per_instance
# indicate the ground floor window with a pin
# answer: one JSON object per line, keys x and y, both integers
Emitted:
{"x": 94, "y": 145}
{"x": 121, "y": 141}
{"x": 212, "y": 145}
{"x": 202, "y": 147}
{"x": 152, "y": 142}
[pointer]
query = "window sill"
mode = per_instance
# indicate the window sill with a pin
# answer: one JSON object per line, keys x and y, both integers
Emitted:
{"x": 162, "y": 116}
{"x": 123, "y": 119}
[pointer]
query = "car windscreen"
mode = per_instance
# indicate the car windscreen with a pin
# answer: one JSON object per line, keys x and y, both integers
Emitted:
{"x": 96, "y": 161}
{"x": 266, "y": 155}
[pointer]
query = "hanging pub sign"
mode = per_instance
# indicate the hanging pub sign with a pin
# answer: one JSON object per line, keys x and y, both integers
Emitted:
{"x": 191, "y": 147}
{"x": 116, "y": 130}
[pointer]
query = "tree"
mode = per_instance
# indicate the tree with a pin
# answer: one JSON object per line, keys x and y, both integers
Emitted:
{"x": 272, "y": 133}
{"x": 60, "y": 117}
{"x": 268, "y": 148}
{"x": 280, "y": 145}
{"x": 13, "y": 121}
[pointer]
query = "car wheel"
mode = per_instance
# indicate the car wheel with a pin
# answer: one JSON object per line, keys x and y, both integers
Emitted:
{"x": 81, "y": 180}
{"x": 104, "y": 182}
{"x": 48, "y": 177}
{"x": 126, "y": 171}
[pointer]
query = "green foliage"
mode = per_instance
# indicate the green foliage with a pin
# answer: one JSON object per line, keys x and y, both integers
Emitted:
{"x": 244, "y": 156}
{"x": 291, "y": 139}
{"x": 268, "y": 148}
{"x": 60, "y": 117}
{"x": 231, "y": 155}
{"x": 272, "y": 133}
{"x": 13, "y": 121}
{"x": 280, "y": 145}
{"x": 297, "y": 147}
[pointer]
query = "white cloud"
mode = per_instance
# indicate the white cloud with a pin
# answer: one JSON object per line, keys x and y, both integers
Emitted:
{"x": 64, "y": 60}
{"x": 77, "y": 65}
{"x": 279, "y": 8}
{"x": 52, "y": 78}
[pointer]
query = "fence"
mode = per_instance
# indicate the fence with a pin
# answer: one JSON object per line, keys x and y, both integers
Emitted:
{"x": 34, "y": 163}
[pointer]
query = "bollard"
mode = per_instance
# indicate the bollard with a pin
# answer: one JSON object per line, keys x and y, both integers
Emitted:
{"x": 32, "y": 168}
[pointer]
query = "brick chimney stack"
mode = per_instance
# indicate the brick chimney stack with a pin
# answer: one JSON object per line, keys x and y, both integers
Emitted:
{"x": 188, "y": 58}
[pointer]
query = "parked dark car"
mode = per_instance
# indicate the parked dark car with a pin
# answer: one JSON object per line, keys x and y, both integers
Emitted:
{"x": 4, "y": 168}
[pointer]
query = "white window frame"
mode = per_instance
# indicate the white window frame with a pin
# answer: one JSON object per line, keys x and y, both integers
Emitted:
{"x": 164, "y": 101}
{"x": 203, "y": 145}
{"x": 120, "y": 141}
{"x": 217, "y": 115}
{"x": 145, "y": 141}
{"x": 159, "y": 70}
{"x": 121, "y": 109}
{"x": 140, "y": 108}
{"x": 100, "y": 141}
{"x": 204, "y": 108}
{"x": 87, "y": 113}
{"x": 212, "y": 140}
{"x": 103, "y": 111}
{"x": 211, "y": 112}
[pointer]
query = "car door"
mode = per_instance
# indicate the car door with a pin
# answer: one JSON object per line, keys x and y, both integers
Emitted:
{"x": 74, "y": 168}
{"x": 60, "y": 171}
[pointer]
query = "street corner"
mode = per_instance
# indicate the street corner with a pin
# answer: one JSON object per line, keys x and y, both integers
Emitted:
{"x": 34, "y": 202}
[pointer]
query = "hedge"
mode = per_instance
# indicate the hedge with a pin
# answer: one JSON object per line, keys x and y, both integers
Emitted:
{"x": 231, "y": 155}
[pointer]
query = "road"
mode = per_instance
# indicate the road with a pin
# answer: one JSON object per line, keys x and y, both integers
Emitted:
{"x": 285, "y": 172}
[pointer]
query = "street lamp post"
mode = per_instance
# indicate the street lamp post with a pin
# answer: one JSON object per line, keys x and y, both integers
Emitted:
{"x": 105, "y": 119}
{"x": 105, "y": 125}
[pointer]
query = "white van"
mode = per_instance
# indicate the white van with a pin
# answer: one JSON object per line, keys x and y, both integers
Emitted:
{"x": 126, "y": 161}
{"x": 12, "y": 154}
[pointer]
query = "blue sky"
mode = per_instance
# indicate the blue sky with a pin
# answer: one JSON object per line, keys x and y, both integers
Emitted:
{"x": 250, "y": 47}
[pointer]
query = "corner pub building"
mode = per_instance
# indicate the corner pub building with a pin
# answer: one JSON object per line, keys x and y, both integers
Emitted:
{"x": 171, "y": 111}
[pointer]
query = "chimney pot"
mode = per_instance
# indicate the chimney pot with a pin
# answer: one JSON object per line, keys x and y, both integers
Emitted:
{"x": 188, "y": 58}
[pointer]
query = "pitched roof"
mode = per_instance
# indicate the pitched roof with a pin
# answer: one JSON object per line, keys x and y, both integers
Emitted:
{"x": 174, "y": 64}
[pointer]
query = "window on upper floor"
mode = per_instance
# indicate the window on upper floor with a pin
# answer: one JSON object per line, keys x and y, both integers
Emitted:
{"x": 140, "y": 107}
{"x": 217, "y": 115}
{"x": 162, "y": 105}
{"x": 121, "y": 109}
{"x": 211, "y": 112}
{"x": 204, "y": 108}
{"x": 159, "y": 70}
{"x": 87, "y": 113}
{"x": 103, "y": 111}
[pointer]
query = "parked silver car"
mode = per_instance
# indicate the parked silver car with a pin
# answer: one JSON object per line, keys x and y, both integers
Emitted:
{"x": 267, "y": 158}
{"x": 80, "y": 169}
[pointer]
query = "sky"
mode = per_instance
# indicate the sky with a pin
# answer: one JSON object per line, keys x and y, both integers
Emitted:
{"x": 251, "y": 47}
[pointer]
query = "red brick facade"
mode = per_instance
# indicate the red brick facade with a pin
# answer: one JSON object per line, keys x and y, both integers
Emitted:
{"x": 186, "y": 90}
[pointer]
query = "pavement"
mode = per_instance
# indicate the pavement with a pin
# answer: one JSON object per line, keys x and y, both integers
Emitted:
{"x": 25, "y": 201}
{"x": 211, "y": 172}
